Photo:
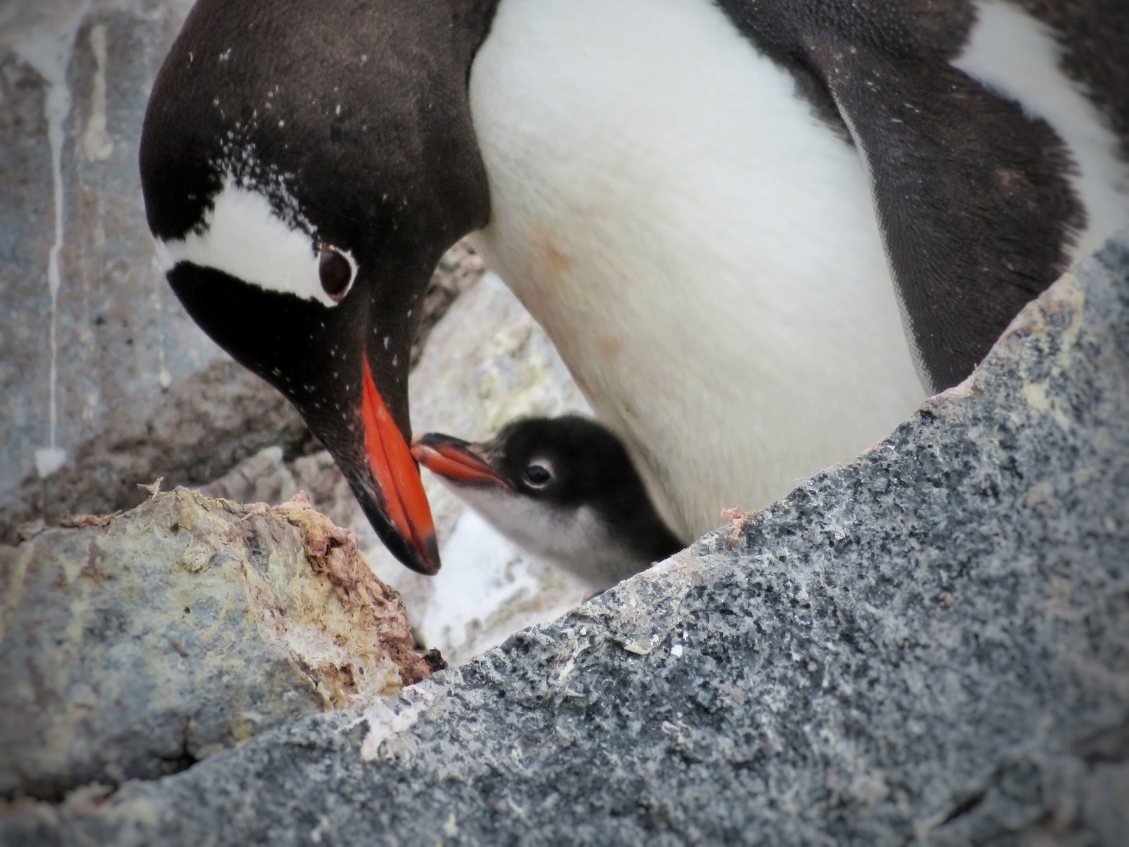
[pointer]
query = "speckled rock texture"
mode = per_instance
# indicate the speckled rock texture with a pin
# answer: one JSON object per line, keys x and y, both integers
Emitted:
{"x": 929, "y": 645}
{"x": 106, "y": 380}
{"x": 136, "y": 644}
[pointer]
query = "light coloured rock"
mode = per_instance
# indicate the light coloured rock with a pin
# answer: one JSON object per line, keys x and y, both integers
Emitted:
{"x": 135, "y": 644}
{"x": 458, "y": 269}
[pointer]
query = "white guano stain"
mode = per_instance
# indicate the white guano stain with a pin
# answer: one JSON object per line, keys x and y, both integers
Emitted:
{"x": 386, "y": 720}
{"x": 95, "y": 141}
{"x": 50, "y": 56}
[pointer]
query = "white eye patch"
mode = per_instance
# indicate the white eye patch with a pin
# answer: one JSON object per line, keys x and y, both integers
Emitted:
{"x": 245, "y": 238}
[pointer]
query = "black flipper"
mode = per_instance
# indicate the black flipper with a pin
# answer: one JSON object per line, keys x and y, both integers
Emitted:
{"x": 973, "y": 196}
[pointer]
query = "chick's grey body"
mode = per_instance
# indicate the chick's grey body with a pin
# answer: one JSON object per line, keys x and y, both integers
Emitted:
{"x": 564, "y": 490}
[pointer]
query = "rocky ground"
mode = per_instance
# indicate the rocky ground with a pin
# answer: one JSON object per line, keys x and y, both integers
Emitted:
{"x": 928, "y": 645}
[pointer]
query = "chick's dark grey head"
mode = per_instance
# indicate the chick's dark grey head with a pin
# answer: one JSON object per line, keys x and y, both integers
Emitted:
{"x": 562, "y": 488}
{"x": 567, "y": 461}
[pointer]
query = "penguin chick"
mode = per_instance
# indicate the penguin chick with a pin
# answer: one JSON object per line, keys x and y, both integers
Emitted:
{"x": 562, "y": 489}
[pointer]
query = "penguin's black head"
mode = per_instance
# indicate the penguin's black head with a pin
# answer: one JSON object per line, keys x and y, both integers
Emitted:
{"x": 304, "y": 167}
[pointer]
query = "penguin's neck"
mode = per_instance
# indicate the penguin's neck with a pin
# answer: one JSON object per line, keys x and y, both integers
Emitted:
{"x": 701, "y": 248}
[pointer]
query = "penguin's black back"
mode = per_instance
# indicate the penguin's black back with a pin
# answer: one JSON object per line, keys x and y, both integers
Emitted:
{"x": 973, "y": 194}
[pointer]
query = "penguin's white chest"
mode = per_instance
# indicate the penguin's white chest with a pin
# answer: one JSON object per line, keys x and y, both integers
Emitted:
{"x": 702, "y": 250}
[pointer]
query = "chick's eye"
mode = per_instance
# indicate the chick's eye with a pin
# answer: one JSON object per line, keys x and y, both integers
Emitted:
{"x": 538, "y": 475}
{"x": 335, "y": 274}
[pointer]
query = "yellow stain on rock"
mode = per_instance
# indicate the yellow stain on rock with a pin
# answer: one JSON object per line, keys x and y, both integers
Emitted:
{"x": 1066, "y": 294}
{"x": 1035, "y": 394}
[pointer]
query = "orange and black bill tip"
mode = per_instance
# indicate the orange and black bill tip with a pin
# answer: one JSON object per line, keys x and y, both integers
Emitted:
{"x": 395, "y": 472}
{"x": 452, "y": 458}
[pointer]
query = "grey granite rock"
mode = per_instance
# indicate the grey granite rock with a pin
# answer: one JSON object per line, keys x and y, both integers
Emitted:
{"x": 106, "y": 380}
{"x": 929, "y": 645}
{"x": 91, "y": 352}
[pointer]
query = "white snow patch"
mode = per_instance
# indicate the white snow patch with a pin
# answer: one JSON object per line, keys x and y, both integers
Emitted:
{"x": 486, "y": 581}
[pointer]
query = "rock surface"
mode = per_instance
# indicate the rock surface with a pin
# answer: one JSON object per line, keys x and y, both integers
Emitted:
{"x": 929, "y": 645}
{"x": 106, "y": 381}
{"x": 136, "y": 644}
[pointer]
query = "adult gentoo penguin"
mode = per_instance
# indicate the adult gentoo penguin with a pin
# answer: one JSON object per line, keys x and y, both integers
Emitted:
{"x": 563, "y": 489}
{"x": 758, "y": 231}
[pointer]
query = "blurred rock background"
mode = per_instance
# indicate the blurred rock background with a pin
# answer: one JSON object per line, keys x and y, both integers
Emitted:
{"x": 107, "y": 383}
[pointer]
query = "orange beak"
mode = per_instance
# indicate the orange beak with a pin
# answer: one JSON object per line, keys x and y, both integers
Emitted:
{"x": 452, "y": 458}
{"x": 397, "y": 475}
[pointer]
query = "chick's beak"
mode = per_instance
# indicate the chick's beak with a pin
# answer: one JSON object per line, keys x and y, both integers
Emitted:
{"x": 397, "y": 476}
{"x": 454, "y": 459}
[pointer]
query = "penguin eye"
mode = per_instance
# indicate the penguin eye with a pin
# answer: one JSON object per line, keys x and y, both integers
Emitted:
{"x": 335, "y": 273}
{"x": 538, "y": 474}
